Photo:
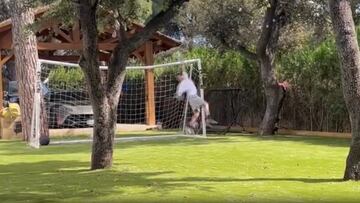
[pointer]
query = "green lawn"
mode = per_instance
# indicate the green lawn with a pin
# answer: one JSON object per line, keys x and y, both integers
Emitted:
{"x": 219, "y": 169}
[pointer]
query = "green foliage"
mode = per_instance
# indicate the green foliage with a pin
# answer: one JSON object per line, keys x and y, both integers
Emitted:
{"x": 233, "y": 69}
{"x": 156, "y": 7}
{"x": 72, "y": 78}
{"x": 64, "y": 12}
{"x": 126, "y": 11}
{"x": 314, "y": 74}
{"x": 130, "y": 10}
{"x": 226, "y": 23}
{"x": 312, "y": 67}
{"x": 230, "y": 23}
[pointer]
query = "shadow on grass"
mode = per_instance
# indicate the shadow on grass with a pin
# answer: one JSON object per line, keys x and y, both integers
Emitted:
{"x": 311, "y": 140}
{"x": 304, "y": 180}
{"x": 71, "y": 181}
{"x": 54, "y": 181}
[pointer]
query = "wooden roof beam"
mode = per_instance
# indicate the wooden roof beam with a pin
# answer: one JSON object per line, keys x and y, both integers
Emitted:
{"x": 158, "y": 42}
{"x": 58, "y": 31}
{"x": 4, "y": 60}
{"x": 110, "y": 40}
{"x": 71, "y": 46}
{"x": 6, "y": 40}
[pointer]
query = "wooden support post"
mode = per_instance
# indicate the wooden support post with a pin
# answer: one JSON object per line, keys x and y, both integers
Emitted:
{"x": 149, "y": 85}
{"x": 2, "y": 63}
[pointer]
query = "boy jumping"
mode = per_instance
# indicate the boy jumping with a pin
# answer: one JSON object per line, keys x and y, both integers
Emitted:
{"x": 186, "y": 89}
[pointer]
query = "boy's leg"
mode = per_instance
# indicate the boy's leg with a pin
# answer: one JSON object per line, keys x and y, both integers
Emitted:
{"x": 194, "y": 118}
{"x": 209, "y": 121}
{"x": 206, "y": 109}
{"x": 197, "y": 104}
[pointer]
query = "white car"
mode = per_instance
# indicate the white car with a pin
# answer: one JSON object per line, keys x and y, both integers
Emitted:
{"x": 69, "y": 109}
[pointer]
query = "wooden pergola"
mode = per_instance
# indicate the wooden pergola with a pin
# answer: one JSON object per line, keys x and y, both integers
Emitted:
{"x": 53, "y": 36}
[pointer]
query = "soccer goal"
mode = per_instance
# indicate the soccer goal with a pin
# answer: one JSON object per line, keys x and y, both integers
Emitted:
{"x": 147, "y": 97}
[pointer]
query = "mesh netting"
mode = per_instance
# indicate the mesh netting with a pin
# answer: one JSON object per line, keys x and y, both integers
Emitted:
{"x": 68, "y": 105}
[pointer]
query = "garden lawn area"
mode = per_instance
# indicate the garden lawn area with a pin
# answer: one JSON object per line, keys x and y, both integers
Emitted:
{"x": 233, "y": 168}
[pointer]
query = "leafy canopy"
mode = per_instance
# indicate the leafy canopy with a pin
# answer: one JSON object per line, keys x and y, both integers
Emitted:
{"x": 109, "y": 11}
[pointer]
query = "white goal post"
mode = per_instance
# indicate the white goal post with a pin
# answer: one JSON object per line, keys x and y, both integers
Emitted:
{"x": 60, "y": 85}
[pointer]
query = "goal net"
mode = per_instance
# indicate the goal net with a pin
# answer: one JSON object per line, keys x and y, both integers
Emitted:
{"x": 61, "y": 91}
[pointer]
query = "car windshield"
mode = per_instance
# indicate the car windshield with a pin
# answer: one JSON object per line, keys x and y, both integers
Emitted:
{"x": 69, "y": 96}
{"x": 12, "y": 88}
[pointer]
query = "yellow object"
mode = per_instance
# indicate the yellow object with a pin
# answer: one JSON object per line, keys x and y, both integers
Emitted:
{"x": 11, "y": 112}
{"x": 9, "y": 116}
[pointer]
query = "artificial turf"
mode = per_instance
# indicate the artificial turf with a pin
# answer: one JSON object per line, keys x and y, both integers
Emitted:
{"x": 232, "y": 168}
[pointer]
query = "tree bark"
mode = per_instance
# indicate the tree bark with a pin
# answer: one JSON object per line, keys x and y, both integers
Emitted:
{"x": 104, "y": 133}
{"x": 25, "y": 49}
{"x": 349, "y": 54}
{"x": 274, "y": 95}
{"x": 274, "y": 20}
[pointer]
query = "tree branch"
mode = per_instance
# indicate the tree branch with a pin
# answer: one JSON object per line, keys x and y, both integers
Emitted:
{"x": 246, "y": 53}
{"x": 156, "y": 23}
{"x": 89, "y": 57}
{"x": 267, "y": 28}
{"x": 125, "y": 47}
{"x": 240, "y": 48}
{"x": 119, "y": 26}
{"x": 94, "y": 4}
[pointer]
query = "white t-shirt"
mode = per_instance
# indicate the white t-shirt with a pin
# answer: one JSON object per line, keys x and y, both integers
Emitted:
{"x": 186, "y": 86}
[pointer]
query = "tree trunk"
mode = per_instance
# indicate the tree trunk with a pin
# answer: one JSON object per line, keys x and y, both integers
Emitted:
{"x": 104, "y": 94}
{"x": 274, "y": 95}
{"x": 104, "y": 132}
{"x": 25, "y": 49}
{"x": 275, "y": 18}
{"x": 349, "y": 54}
{"x": 104, "y": 100}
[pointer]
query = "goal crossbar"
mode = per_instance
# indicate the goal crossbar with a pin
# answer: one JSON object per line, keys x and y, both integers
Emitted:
{"x": 128, "y": 67}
